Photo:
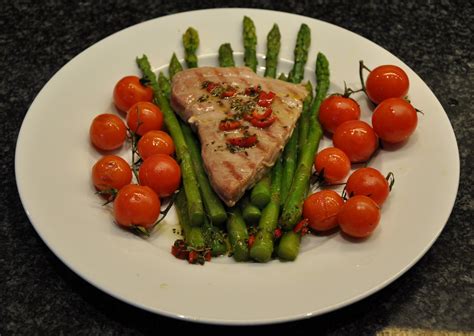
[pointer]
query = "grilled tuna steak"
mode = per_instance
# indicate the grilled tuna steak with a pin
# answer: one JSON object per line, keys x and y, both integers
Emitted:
{"x": 243, "y": 122}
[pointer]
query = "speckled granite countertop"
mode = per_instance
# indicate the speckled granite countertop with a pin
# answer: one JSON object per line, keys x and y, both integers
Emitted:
{"x": 40, "y": 295}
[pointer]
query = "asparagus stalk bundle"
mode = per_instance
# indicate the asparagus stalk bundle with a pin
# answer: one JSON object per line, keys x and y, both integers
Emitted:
{"x": 290, "y": 241}
{"x": 285, "y": 186}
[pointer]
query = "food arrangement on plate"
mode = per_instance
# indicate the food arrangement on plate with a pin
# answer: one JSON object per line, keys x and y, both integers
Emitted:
{"x": 235, "y": 151}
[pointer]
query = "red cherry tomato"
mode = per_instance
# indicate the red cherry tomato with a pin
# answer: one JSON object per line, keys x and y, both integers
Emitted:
{"x": 107, "y": 132}
{"x": 359, "y": 216}
{"x": 332, "y": 164}
{"x": 143, "y": 117}
{"x": 111, "y": 172}
{"x": 321, "y": 209}
{"x": 335, "y": 110}
{"x": 161, "y": 173}
{"x": 394, "y": 120}
{"x": 357, "y": 139}
{"x": 136, "y": 205}
{"x": 155, "y": 142}
{"x": 129, "y": 91}
{"x": 369, "y": 182}
{"x": 386, "y": 81}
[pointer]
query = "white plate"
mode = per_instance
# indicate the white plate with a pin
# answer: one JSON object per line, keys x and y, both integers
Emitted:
{"x": 54, "y": 159}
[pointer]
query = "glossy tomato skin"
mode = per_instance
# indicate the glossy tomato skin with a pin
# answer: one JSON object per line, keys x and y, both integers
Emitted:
{"x": 386, "y": 81}
{"x": 370, "y": 182}
{"x": 161, "y": 173}
{"x": 111, "y": 172}
{"x": 155, "y": 142}
{"x": 394, "y": 120}
{"x": 107, "y": 131}
{"x": 332, "y": 164}
{"x": 359, "y": 216}
{"x": 321, "y": 209}
{"x": 357, "y": 139}
{"x": 335, "y": 110}
{"x": 143, "y": 117}
{"x": 136, "y": 205}
{"x": 129, "y": 91}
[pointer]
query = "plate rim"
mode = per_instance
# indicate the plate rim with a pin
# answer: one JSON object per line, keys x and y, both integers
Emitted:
{"x": 50, "y": 245}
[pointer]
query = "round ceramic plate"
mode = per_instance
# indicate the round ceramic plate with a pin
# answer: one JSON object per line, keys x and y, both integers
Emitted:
{"x": 54, "y": 160}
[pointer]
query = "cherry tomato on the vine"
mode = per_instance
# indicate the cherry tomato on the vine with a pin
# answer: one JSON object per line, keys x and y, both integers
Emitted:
{"x": 161, "y": 173}
{"x": 386, "y": 81}
{"x": 107, "y": 131}
{"x": 335, "y": 110}
{"x": 155, "y": 142}
{"x": 394, "y": 120}
{"x": 357, "y": 139}
{"x": 359, "y": 216}
{"x": 332, "y": 164}
{"x": 111, "y": 172}
{"x": 136, "y": 205}
{"x": 143, "y": 117}
{"x": 369, "y": 182}
{"x": 321, "y": 209}
{"x": 129, "y": 91}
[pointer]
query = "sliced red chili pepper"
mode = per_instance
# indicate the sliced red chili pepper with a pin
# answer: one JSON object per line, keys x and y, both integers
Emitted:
{"x": 264, "y": 115}
{"x": 248, "y": 116}
{"x": 228, "y": 93}
{"x": 207, "y": 255}
{"x": 211, "y": 86}
{"x": 301, "y": 225}
{"x": 263, "y": 123}
{"x": 265, "y": 99}
{"x": 193, "y": 257}
{"x": 246, "y": 141}
{"x": 251, "y": 241}
{"x": 229, "y": 125}
{"x": 304, "y": 231}
{"x": 277, "y": 233}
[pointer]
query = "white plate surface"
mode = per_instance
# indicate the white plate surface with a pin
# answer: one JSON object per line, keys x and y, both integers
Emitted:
{"x": 54, "y": 159}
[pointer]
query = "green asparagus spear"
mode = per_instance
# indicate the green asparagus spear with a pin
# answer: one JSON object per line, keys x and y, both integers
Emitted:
{"x": 304, "y": 119}
{"x": 322, "y": 83}
{"x": 303, "y": 42}
{"x": 289, "y": 246}
{"x": 164, "y": 84}
{"x": 191, "y": 44}
{"x": 212, "y": 203}
{"x": 273, "y": 49}
{"x": 174, "y": 67}
{"x": 260, "y": 194}
{"x": 250, "y": 43}
{"x": 226, "y": 56}
{"x": 250, "y": 212}
{"x": 193, "y": 235}
{"x": 195, "y": 206}
{"x": 238, "y": 235}
{"x": 262, "y": 247}
{"x": 290, "y": 156}
{"x": 294, "y": 204}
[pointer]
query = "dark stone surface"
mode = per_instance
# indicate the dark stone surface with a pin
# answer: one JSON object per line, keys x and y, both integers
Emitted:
{"x": 40, "y": 295}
